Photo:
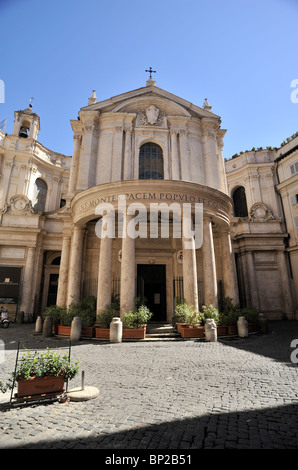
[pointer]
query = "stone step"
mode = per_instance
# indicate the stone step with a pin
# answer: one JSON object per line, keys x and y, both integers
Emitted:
{"x": 157, "y": 331}
{"x": 160, "y": 328}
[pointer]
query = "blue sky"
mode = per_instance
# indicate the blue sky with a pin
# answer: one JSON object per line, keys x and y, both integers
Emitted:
{"x": 240, "y": 54}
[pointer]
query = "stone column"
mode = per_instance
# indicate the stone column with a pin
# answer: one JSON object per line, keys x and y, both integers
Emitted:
{"x": 75, "y": 267}
{"x": 127, "y": 170}
{"x": 190, "y": 281}
{"x": 229, "y": 268}
{"x": 184, "y": 155}
{"x": 87, "y": 162}
{"x": 209, "y": 266}
{"x": 127, "y": 282}
{"x": 175, "y": 155}
{"x": 27, "y": 294}
{"x": 117, "y": 151}
{"x": 222, "y": 172}
{"x": 253, "y": 290}
{"x": 74, "y": 163}
{"x": 104, "y": 289}
{"x": 285, "y": 283}
{"x": 63, "y": 271}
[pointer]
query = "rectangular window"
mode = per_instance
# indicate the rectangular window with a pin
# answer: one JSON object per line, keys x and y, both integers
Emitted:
{"x": 294, "y": 199}
{"x": 294, "y": 168}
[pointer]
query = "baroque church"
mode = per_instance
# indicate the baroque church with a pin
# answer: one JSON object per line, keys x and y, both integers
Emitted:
{"x": 150, "y": 147}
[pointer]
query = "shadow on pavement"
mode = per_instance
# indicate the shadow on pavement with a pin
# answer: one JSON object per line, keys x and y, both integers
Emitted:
{"x": 267, "y": 428}
{"x": 275, "y": 345}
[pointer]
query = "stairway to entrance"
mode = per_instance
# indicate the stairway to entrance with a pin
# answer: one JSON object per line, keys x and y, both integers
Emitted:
{"x": 158, "y": 330}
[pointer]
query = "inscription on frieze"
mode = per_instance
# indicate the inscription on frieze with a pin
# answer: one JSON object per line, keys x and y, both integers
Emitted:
{"x": 150, "y": 197}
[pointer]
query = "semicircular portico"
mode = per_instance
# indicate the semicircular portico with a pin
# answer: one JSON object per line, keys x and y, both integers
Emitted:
{"x": 89, "y": 204}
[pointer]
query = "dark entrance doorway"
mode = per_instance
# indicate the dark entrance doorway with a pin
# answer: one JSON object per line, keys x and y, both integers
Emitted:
{"x": 53, "y": 289}
{"x": 152, "y": 289}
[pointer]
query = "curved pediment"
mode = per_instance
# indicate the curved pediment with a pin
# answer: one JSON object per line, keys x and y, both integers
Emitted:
{"x": 168, "y": 103}
{"x": 142, "y": 103}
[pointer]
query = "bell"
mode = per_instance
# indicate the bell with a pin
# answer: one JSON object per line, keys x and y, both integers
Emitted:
{"x": 23, "y": 132}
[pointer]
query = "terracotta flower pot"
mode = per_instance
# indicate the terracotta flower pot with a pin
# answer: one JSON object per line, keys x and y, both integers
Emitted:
{"x": 180, "y": 325}
{"x": 55, "y": 329}
{"x": 134, "y": 333}
{"x": 252, "y": 327}
{"x": 40, "y": 386}
{"x": 221, "y": 330}
{"x": 87, "y": 331}
{"x": 64, "y": 330}
{"x": 189, "y": 332}
{"x": 232, "y": 330}
{"x": 102, "y": 333}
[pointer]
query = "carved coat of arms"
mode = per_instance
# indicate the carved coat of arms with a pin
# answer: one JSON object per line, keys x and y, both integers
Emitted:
{"x": 152, "y": 116}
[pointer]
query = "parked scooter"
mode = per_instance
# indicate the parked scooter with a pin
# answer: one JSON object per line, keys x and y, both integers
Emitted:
{"x": 4, "y": 322}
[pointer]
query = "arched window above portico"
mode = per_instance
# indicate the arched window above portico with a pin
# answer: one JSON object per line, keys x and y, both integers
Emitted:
{"x": 151, "y": 162}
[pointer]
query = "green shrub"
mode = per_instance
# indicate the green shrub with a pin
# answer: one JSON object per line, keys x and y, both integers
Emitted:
{"x": 84, "y": 309}
{"x": 194, "y": 318}
{"x": 183, "y": 312}
{"x": 137, "y": 317}
{"x": 66, "y": 318}
{"x": 34, "y": 364}
{"x": 231, "y": 317}
{"x": 105, "y": 317}
{"x": 229, "y": 312}
{"x": 55, "y": 312}
{"x": 210, "y": 312}
{"x": 250, "y": 313}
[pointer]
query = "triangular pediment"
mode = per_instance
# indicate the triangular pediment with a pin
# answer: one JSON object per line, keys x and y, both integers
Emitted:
{"x": 132, "y": 101}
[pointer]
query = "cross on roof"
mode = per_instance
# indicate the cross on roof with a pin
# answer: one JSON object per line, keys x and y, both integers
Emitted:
{"x": 150, "y": 71}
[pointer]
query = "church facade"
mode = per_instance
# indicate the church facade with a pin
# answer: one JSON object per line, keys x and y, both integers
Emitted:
{"x": 141, "y": 153}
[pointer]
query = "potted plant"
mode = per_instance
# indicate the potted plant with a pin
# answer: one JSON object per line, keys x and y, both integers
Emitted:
{"x": 211, "y": 312}
{"x": 221, "y": 325}
{"x": 41, "y": 375}
{"x": 181, "y": 312}
{"x": 231, "y": 322}
{"x": 103, "y": 320}
{"x": 251, "y": 315}
{"x": 56, "y": 313}
{"x": 193, "y": 327}
{"x": 135, "y": 322}
{"x": 64, "y": 327}
{"x": 86, "y": 310}
{"x": 229, "y": 315}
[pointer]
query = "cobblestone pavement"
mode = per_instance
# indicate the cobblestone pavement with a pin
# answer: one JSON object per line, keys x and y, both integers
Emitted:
{"x": 235, "y": 393}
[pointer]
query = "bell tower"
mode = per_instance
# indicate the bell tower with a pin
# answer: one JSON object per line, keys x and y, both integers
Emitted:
{"x": 26, "y": 123}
